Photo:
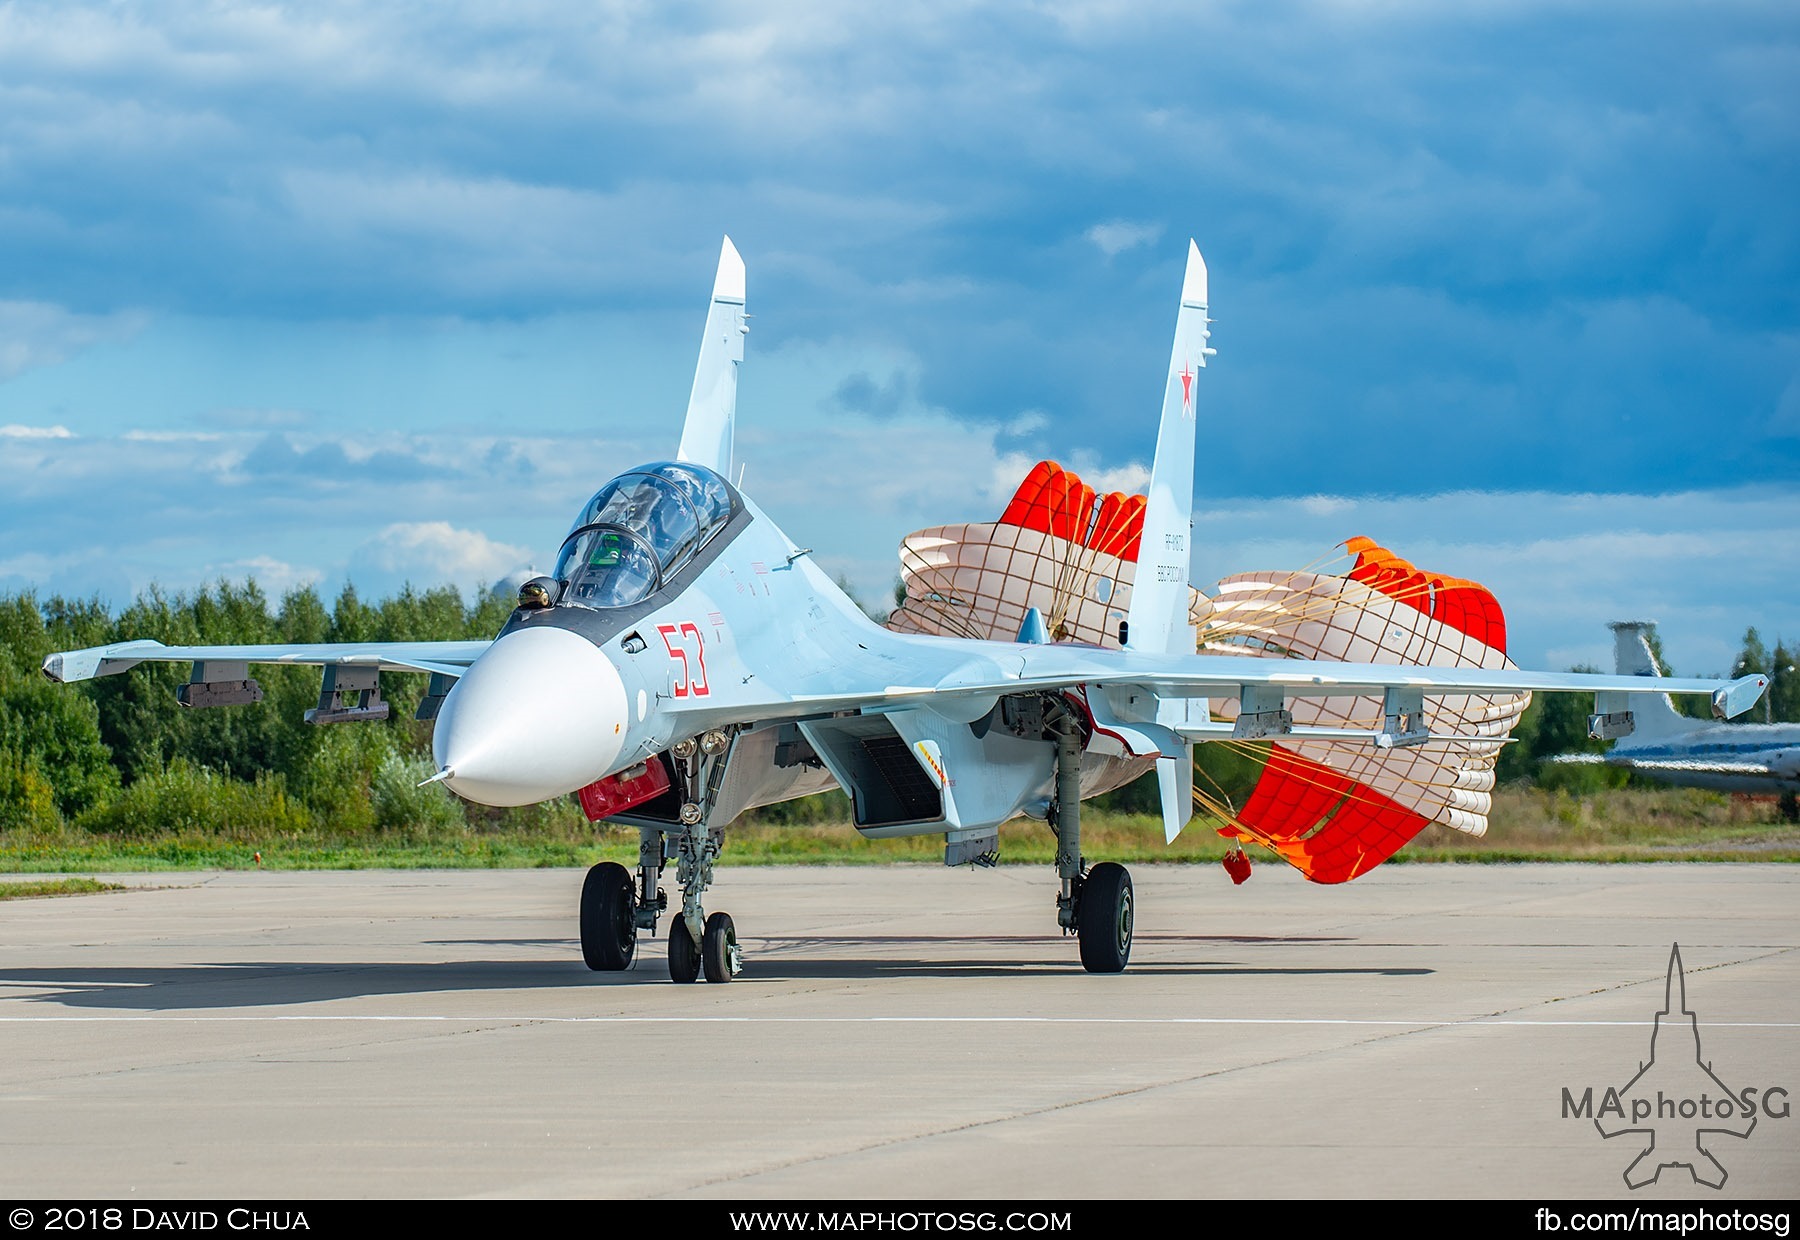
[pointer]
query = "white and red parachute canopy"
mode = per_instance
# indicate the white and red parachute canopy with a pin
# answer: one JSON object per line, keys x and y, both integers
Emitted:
{"x": 1332, "y": 809}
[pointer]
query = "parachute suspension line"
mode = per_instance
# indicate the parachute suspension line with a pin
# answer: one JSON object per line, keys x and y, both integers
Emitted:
{"x": 1057, "y": 548}
{"x": 952, "y": 618}
{"x": 1069, "y": 570}
{"x": 1354, "y": 749}
{"x": 1263, "y": 751}
{"x": 1219, "y": 806}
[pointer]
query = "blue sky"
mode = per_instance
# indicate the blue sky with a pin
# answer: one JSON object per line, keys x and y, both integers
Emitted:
{"x": 325, "y": 292}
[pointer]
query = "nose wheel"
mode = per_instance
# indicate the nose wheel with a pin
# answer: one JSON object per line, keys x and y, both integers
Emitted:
{"x": 719, "y": 949}
{"x": 717, "y": 954}
{"x": 684, "y": 954}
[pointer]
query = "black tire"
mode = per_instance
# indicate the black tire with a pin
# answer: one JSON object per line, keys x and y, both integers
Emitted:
{"x": 719, "y": 947}
{"x": 684, "y": 955}
{"x": 608, "y": 918}
{"x": 1103, "y": 921}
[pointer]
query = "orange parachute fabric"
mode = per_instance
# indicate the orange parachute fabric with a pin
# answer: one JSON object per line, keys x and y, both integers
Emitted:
{"x": 1320, "y": 821}
{"x": 1332, "y": 809}
{"x": 1056, "y": 502}
{"x": 1463, "y": 605}
{"x": 1336, "y": 809}
{"x": 1059, "y": 547}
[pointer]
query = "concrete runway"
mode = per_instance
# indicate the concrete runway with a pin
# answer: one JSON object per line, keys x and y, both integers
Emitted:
{"x": 912, "y": 1034}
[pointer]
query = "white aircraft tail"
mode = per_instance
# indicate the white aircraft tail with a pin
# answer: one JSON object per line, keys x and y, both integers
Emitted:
{"x": 712, "y": 405}
{"x": 1654, "y": 716}
{"x": 1158, "y": 618}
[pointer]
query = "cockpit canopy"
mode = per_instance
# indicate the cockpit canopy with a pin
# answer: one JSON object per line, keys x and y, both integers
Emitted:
{"x": 638, "y": 530}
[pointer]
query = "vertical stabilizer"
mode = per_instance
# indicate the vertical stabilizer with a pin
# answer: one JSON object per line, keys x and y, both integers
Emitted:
{"x": 1175, "y": 790}
{"x": 712, "y": 405}
{"x": 1631, "y": 648}
{"x": 1654, "y": 716}
{"x": 1159, "y": 594}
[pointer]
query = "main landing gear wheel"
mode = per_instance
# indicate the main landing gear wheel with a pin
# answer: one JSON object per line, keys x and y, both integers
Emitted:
{"x": 719, "y": 951}
{"x": 684, "y": 954}
{"x": 1104, "y": 927}
{"x": 608, "y": 918}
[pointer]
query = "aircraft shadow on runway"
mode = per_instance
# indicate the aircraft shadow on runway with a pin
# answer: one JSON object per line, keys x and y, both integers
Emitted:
{"x": 217, "y": 986}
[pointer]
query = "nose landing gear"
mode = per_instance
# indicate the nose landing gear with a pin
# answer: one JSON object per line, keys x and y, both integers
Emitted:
{"x": 613, "y": 911}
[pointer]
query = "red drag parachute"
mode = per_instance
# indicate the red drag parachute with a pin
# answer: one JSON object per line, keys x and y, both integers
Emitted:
{"x": 1332, "y": 809}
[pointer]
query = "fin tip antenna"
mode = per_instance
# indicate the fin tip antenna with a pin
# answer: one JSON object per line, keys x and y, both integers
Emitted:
{"x": 1193, "y": 284}
{"x": 728, "y": 285}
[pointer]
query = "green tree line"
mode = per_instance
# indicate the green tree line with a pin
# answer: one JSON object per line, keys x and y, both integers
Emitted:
{"x": 119, "y": 755}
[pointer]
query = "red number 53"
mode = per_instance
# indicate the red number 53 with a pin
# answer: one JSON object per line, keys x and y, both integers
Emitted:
{"x": 686, "y": 647}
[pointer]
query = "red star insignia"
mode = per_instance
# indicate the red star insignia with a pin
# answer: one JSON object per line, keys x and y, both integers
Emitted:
{"x": 1187, "y": 385}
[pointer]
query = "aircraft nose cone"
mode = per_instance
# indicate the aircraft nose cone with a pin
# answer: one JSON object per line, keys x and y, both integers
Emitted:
{"x": 541, "y": 712}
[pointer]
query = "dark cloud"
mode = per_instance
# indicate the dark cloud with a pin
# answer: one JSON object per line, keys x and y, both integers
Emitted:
{"x": 1506, "y": 245}
{"x": 861, "y": 393}
{"x": 327, "y": 463}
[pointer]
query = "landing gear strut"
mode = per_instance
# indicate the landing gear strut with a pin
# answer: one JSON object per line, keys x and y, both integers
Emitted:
{"x": 697, "y": 942}
{"x": 1094, "y": 905}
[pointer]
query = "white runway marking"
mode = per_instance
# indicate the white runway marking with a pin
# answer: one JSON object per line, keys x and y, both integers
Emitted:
{"x": 1426, "y": 1023}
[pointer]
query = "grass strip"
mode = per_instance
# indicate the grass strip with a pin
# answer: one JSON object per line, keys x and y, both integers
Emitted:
{"x": 15, "y": 890}
{"x": 1527, "y": 824}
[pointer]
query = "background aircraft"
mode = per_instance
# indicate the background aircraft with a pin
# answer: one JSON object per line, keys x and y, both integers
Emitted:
{"x": 1678, "y": 749}
{"x": 687, "y": 661}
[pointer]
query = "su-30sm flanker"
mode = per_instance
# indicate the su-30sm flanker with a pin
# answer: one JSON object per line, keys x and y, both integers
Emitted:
{"x": 687, "y": 661}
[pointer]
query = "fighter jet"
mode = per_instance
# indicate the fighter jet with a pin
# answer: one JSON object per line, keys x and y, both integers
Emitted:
{"x": 687, "y": 661}
{"x": 1676, "y": 749}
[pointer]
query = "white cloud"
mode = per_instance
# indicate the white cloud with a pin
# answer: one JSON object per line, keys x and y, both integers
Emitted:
{"x": 35, "y": 333}
{"x": 276, "y": 577}
{"x": 431, "y": 553}
{"x": 1704, "y": 564}
{"x": 16, "y": 431}
{"x": 1116, "y": 236}
{"x": 115, "y": 514}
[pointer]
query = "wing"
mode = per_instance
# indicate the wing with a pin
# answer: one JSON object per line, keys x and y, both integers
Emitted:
{"x": 443, "y": 658}
{"x": 1677, "y": 766}
{"x": 351, "y": 687}
{"x": 1165, "y": 681}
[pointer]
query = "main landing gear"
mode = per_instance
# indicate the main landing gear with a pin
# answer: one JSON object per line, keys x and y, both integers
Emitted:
{"x": 608, "y": 918}
{"x": 613, "y": 910}
{"x": 1094, "y": 905}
